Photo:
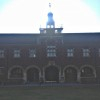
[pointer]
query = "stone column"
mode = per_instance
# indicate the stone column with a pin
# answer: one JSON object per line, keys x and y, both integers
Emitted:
{"x": 61, "y": 79}
{"x": 79, "y": 77}
{"x": 25, "y": 77}
{"x": 8, "y": 75}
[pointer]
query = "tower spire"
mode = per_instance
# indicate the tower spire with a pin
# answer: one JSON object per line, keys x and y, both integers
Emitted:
{"x": 50, "y": 24}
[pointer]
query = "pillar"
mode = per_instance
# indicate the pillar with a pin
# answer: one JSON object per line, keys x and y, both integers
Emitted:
{"x": 79, "y": 77}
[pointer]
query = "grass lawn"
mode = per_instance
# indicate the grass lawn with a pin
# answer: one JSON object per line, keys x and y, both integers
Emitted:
{"x": 50, "y": 93}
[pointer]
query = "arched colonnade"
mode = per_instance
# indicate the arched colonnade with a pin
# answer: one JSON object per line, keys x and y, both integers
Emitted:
{"x": 53, "y": 73}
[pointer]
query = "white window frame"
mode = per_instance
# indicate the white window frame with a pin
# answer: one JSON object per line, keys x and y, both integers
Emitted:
{"x": 2, "y": 53}
{"x": 32, "y": 53}
{"x": 70, "y": 52}
{"x": 17, "y": 53}
{"x": 99, "y": 52}
{"x": 51, "y": 51}
{"x": 86, "y": 52}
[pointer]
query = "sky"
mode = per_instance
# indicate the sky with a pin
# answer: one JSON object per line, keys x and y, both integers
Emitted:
{"x": 26, "y": 16}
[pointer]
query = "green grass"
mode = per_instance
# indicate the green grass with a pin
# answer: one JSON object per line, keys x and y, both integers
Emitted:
{"x": 50, "y": 93}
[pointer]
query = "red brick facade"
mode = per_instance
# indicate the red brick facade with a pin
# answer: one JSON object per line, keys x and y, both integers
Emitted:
{"x": 65, "y": 57}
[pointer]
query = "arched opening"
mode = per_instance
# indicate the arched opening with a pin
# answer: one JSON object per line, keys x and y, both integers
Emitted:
{"x": 87, "y": 75}
{"x": 32, "y": 75}
{"x": 87, "y": 72}
{"x": 70, "y": 75}
{"x": 16, "y": 73}
{"x": 52, "y": 74}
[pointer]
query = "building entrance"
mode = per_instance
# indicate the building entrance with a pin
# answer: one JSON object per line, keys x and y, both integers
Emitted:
{"x": 70, "y": 75}
{"x": 33, "y": 75}
{"x": 87, "y": 75}
{"x": 52, "y": 74}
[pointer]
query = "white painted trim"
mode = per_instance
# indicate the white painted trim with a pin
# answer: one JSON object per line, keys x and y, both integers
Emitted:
{"x": 32, "y": 66}
{"x": 15, "y": 66}
{"x": 89, "y": 66}
{"x": 48, "y": 65}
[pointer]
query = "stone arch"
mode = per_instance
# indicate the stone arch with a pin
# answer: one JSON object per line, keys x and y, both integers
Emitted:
{"x": 51, "y": 73}
{"x": 16, "y": 72}
{"x": 70, "y": 74}
{"x": 87, "y": 74}
{"x": 33, "y": 74}
{"x": 91, "y": 69}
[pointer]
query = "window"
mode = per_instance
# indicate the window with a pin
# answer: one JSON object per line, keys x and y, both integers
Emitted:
{"x": 86, "y": 52}
{"x": 1, "y": 70}
{"x": 87, "y": 72}
{"x": 16, "y": 73}
{"x": 17, "y": 53}
{"x": 70, "y": 52}
{"x": 32, "y": 53}
{"x": 1, "y": 53}
{"x": 51, "y": 51}
{"x": 99, "y": 52}
{"x": 48, "y": 26}
{"x": 52, "y": 26}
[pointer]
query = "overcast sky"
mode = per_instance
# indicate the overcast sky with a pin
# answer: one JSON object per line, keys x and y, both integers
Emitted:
{"x": 26, "y": 16}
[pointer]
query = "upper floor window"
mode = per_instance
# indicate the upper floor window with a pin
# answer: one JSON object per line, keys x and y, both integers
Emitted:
{"x": 1, "y": 70}
{"x": 16, "y": 53}
{"x": 1, "y": 53}
{"x": 86, "y": 52}
{"x": 51, "y": 51}
{"x": 99, "y": 52}
{"x": 32, "y": 53}
{"x": 70, "y": 52}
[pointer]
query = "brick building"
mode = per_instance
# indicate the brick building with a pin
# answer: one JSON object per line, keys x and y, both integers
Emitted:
{"x": 50, "y": 56}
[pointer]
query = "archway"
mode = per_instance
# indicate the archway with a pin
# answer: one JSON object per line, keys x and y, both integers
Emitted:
{"x": 33, "y": 75}
{"x": 87, "y": 75}
{"x": 16, "y": 73}
{"x": 70, "y": 75}
{"x": 52, "y": 74}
